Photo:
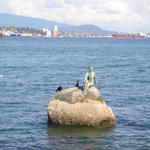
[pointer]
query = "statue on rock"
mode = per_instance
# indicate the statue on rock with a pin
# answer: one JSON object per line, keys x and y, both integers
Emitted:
{"x": 81, "y": 105}
{"x": 90, "y": 78}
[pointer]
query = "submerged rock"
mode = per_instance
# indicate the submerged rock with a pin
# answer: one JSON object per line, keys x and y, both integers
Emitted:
{"x": 73, "y": 106}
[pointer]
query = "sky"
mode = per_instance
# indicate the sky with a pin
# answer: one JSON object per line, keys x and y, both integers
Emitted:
{"x": 115, "y": 15}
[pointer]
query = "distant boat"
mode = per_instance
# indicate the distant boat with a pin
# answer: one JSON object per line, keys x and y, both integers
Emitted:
{"x": 128, "y": 36}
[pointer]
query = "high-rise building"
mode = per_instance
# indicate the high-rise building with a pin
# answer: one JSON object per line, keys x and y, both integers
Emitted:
{"x": 56, "y": 28}
{"x": 55, "y": 31}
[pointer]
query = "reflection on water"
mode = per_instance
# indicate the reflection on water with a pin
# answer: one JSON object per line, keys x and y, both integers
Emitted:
{"x": 77, "y": 131}
{"x": 78, "y": 137}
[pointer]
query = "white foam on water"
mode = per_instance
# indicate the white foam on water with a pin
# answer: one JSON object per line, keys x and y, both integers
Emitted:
{"x": 1, "y": 76}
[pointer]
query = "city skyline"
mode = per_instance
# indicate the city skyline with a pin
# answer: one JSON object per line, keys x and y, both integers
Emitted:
{"x": 117, "y": 15}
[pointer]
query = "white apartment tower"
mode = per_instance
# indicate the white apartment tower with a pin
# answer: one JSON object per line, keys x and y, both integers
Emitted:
{"x": 55, "y": 31}
{"x": 56, "y": 28}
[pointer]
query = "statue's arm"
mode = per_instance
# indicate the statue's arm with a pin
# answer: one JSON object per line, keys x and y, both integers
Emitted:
{"x": 86, "y": 77}
{"x": 95, "y": 79}
{"x": 85, "y": 80}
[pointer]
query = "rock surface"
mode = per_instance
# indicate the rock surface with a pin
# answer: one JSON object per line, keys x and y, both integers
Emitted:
{"x": 75, "y": 107}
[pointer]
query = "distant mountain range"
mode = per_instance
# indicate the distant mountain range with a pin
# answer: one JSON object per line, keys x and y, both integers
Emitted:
{"x": 22, "y": 21}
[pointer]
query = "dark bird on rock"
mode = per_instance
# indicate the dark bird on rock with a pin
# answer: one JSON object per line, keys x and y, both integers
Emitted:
{"x": 79, "y": 87}
{"x": 59, "y": 89}
{"x": 77, "y": 84}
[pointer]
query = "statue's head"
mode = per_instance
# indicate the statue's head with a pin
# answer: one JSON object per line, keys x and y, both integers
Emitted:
{"x": 90, "y": 68}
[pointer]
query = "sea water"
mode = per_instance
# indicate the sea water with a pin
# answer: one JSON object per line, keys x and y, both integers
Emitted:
{"x": 32, "y": 69}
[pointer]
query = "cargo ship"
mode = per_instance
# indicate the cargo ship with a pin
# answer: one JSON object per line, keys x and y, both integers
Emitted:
{"x": 128, "y": 36}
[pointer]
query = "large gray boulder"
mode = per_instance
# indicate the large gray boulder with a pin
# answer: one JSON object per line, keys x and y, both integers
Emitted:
{"x": 73, "y": 106}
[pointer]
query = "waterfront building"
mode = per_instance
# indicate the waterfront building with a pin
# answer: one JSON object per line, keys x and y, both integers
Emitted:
{"x": 1, "y": 32}
{"x": 48, "y": 32}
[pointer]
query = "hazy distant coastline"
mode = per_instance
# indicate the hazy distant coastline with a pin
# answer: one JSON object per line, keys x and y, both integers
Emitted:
{"x": 14, "y": 25}
{"x": 31, "y": 32}
{"x": 7, "y": 20}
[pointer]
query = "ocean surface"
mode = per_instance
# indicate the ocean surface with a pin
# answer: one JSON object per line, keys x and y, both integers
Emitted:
{"x": 32, "y": 68}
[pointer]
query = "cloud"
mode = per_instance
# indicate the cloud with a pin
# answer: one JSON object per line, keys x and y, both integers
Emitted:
{"x": 111, "y": 14}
